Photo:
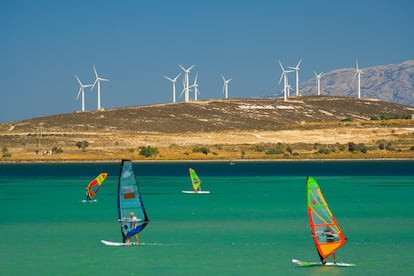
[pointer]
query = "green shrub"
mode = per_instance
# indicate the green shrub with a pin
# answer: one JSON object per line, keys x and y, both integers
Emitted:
{"x": 57, "y": 150}
{"x": 148, "y": 151}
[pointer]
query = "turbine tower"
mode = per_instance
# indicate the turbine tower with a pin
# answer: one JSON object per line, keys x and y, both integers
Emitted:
{"x": 225, "y": 86}
{"x": 186, "y": 81}
{"x": 296, "y": 69}
{"x": 318, "y": 82}
{"x": 358, "y": 73}
{"x": 288, "y": 90}
{"x": 285, "y": 80}
{"x": 174, "y": 80}
{"x": 82, "y": 90}
{"x": 98, "y": 80}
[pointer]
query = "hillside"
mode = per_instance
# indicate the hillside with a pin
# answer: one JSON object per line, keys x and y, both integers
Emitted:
{"x": 214, "y": 115}
{"x": 389, "y": 83}
{"x": 234, "y": 128}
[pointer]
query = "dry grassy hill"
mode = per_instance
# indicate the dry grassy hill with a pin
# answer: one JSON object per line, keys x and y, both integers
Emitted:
{"x": 233, "y": 127}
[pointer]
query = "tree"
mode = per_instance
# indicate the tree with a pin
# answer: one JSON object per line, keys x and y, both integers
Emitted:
{"x": 352, "y": 146}
{"x": 148, "y": 151}
{"x": 82, "y": 145}
{"x": 6, "y": 152}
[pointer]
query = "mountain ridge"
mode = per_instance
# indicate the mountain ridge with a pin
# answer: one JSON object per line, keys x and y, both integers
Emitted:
{"x": 390, "y": 83}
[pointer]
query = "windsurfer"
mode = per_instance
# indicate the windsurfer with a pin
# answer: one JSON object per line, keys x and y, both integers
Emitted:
{"x": 330, "y": 237}
{"x": 133, "y": 224}
{"x": 88, "y": 197}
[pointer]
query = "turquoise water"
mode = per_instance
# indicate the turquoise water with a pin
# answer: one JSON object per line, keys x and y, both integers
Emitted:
{"x": 254, "y": 220}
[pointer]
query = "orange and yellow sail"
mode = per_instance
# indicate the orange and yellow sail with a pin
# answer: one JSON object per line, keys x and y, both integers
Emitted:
{"x": 326, "y": 232}
{"x": 94, "y": 186}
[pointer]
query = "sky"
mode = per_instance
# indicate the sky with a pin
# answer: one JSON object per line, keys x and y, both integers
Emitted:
{"x": 134, "y": 44}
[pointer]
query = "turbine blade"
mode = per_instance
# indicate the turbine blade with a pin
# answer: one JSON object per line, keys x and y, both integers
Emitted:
{"x": 78, "y": 80}
{"x": 96, "y": 73}
{"x": 93, "y": 85}
{"x": 355, "y": 75}
{"x": 224, "y": 79}
{"x": 80, "y": 90}
{"x": 281, "y": 66}
{"x": 281, "y": 77}
{"x": 297, "y": 65}
{"x": 175, "y": 79}
{"x": 181, "y": 67}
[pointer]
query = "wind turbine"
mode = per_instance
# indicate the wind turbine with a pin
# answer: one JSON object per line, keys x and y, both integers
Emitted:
{"x": 196, "y": 91}
{"x": 98, "y": 80}
{"x": 358, "y": 73}
{"x": 318, "y": 82}
{"x": 297, "y": 68}
{"x": 285, "y": 80}
{"x": 225, "y": 86}
{"x": 174, "y": 80}
{"x": 186, "y": 81}
{"x": 82, "y": 90}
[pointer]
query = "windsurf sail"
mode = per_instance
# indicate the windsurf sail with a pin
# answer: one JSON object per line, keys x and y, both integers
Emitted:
{"x": 326, "y": 232}
{"x": 94, "y": 186}
{"x": 131, "y": 211}
{"x": 195, "y": 180}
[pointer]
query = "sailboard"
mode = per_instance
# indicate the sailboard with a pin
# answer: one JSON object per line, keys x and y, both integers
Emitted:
{"x": 307, "y": 264}
{"x": 196, "y": 183}
{"x": 327, "y": 235}
{"x": 89, "y": 200}
{"x": 109, "y": 243}
{"x": 94, "y": 186}
{"x": 132, "y": 216}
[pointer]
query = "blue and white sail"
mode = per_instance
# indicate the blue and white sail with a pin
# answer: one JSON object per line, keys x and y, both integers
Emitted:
{"x": 130, "y": 201}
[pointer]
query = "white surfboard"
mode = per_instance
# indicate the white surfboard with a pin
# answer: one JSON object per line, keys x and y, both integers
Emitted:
{"x": 89, "y": 201}
{"x": 302, "y": 263}
{"x": 110, "y": 243}
{"x": 195, "y": 192}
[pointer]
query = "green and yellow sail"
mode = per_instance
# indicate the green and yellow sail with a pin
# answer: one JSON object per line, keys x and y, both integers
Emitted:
{"x": 195, "y": 180}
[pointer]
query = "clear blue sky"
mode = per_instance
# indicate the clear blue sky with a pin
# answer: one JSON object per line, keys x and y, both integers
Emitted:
{"x": 43, "y": 44}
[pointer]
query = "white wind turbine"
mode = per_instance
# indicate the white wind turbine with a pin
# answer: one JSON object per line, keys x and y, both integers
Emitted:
{"x": 174, "y": 80}
{"x": 285, "y": 80}
{"x": 82, "y": 90}
{"x": 296, "y": 69}
{"x": 318, "y": 82}
{"x": 195, "y": 85}
{"x": 186, "y": 89}
{"x": 358, "y": 73}
{"x": 225, "y": 86}
{"x": 98, "y": 80}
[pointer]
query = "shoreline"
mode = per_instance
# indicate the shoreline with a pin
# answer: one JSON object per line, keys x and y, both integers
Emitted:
{"x": 137, "y": 161}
